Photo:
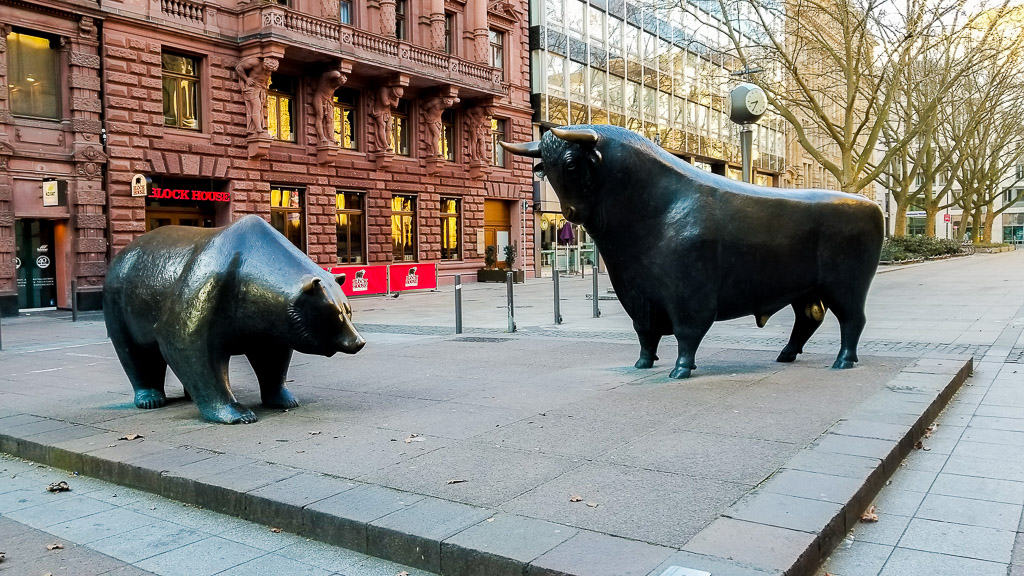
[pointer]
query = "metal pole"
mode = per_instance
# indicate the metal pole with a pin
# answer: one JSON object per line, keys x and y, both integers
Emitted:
{"x": 1, "y": 333}
{"x": 458, "y": 303}
{"x": 597, "y": 297}
{"x": 511, "y": 304}
{"x": 74, "y": 300}
{"x": 558, "y": 311}
{"x": 746, "y": 146}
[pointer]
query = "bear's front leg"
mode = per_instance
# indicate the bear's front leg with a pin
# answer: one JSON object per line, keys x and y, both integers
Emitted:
{"x": 271, "y": 368}
{"x": 205, "y": 378}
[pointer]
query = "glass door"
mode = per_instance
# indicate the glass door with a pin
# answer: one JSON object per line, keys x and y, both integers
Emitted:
{"x": 36, "y": 263}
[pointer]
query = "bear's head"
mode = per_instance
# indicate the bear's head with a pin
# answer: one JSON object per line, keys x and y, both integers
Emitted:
{"x": 321, "y": 319}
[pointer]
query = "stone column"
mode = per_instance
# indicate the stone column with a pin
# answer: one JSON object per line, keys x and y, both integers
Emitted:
{"x": 480, "y": 32}
{"x": 437, "y": 35}
{"x": 387, "y": 18}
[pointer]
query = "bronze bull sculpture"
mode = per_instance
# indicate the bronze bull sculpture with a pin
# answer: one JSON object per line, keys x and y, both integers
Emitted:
{"x": 684, "y": 247}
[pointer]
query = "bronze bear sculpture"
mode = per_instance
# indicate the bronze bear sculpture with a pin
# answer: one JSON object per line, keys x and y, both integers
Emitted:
{"x": 685, "y": 248}
{"x": 190, "y": 298}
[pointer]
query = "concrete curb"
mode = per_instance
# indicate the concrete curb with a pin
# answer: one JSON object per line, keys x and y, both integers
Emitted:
{"x": 800, "y": 513}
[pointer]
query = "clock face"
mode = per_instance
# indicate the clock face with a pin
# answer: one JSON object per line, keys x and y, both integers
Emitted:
{"x": 757, "y": 103}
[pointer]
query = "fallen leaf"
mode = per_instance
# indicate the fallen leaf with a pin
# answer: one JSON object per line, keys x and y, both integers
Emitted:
{"x": 592, "y": 504}
{"x": 61, "y": 486}
{"x": 918, "y": 445}
{"x": 130, "y": 437}
{"x": 869, "y": 515}
{"x": 275, "y": 530}
{"x": 3, "y": 556}
{"x": 456, "y": 481}
{"x": 414, "y": 438}
{"x": 55, "y": 546}
{"x": 402, "y": 573}
{"x": 575, "y": 498}
{"x": 314, "y": 432}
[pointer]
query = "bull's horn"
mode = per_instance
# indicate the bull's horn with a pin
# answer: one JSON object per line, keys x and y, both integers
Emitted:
{"x": 531, "y": 149}
{"x": 584, "y": 137}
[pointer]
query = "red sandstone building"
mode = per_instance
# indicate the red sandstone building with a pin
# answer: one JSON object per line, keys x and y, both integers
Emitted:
{"x": 364, "y": 131}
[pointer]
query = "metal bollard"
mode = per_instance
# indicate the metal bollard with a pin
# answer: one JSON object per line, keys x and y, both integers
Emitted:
{"x": 597, "y": 298}
{"x": 558, "y": 310}
{"x": 458, "y": 303}
{"x": 74, "y": 300}
{"x": 511, "y": 303}
{"x": 1, "y": 333}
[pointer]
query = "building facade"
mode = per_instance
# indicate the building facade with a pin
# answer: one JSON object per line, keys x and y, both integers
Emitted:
{"x": 364, "y": 132}
{"x": 661, "y": 72}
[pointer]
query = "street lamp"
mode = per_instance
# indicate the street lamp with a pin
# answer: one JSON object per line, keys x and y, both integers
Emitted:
{"x": 747, "y": 103}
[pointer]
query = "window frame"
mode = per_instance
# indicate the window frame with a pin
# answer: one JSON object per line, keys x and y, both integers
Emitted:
{"x": 401, "y": 20}
{"x": 197, "y": 92}
{"x": 285, "y": 210}
{"x": 342, "y": 11}
{"x": 444, "y": 217}
{"x": 449, "y": 33}
{"x": 448, "y": 141}
{"x": 361, "y": 212}
{"x": 497, "y": 48}
{"x": 401, "y": 116}
{"x": 57, "y": 65}
{"x": 353, "y": 107}
{"x": 292, "y": 100}
{"x": 414, "y": 199}
{"x": 499, "y": 131}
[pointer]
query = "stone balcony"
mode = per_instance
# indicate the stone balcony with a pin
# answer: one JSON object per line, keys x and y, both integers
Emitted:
{"x": 264, "y": 22}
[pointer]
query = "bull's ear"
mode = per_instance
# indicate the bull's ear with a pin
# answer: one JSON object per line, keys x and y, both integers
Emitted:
{"x": 310, "y": 282}
{"x": 531, "y": 149}
{"x": 339, "y": 278}
{"x": 594, "y": 156}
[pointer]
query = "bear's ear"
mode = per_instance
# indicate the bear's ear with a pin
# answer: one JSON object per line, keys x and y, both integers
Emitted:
{"x": 310, "y": 283}
{"x": 340, "y": 279}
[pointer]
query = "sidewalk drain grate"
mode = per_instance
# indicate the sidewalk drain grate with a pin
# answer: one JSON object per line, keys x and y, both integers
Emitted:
{"x": 480, "y": 339}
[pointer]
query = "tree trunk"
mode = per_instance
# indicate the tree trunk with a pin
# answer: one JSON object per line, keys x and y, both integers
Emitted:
{"x": 990, "y": 219}
{"x": 900, "y": 227}
{"x": 929, "y": 221}
{"x": 976, "y": 224}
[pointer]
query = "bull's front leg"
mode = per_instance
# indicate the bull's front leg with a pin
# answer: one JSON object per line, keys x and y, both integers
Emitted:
{"x": 689, "y": 337}
{"x": 648, "y": 347}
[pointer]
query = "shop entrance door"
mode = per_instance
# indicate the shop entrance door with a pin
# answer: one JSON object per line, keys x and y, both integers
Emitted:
{"x": 36, "y": 263}
{"x": 498, "y": 227}
{"x": 157, "y": 217}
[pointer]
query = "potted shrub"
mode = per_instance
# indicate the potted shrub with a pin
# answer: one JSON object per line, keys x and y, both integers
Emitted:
{"x": 490, "y": 272}
{"x": 518, "y": 276}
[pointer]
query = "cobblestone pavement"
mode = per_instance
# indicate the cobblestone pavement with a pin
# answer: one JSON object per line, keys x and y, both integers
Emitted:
{"x": 110, "y": 530}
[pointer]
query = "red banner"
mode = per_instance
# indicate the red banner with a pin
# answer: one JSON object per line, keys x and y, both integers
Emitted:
{"x": 413, "y": 277}
{"x": 362, "y": 279}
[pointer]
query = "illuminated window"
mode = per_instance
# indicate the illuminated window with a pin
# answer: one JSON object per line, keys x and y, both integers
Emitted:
{"x": 181, "y": 91}
{"x": 32, "y": 81}
{"x": 450, "y": 214}
{"x": 345, "y": 113}
{"x": 281, "y": 108}
{"x": 447, "y": 139}
{"x": 286, "y": 213}
{"x": 403, "y": 228}
{"x": 351, "y": 245}
{"x": 498, "y": 135}
{"x": 400, "y": 128}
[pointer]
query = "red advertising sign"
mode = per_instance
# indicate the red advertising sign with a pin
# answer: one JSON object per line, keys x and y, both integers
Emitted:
{"x": 362, "y": 279}
{"x": 179, "y": 194}
{"x": 413, "y": 277}
{"x": 947, "y": 218}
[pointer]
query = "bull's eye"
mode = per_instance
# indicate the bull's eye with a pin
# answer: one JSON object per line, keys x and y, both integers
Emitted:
{"x": 570, "y": 164}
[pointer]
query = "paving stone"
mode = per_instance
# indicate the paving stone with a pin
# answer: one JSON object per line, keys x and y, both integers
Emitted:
{"x": 899, "y": 502}
{"x": 593, "y": 554}
{"x": 22, "y": 498}
{"x": 203, "y": 558}
{"x": 812, "y": 486}
{"x": 703, "y": 564}
{"x": 857, "y": 558}
{"x": 453, "y": 419}
{"x": 852, "y": 445}
{"x": 888, "y": 530}
{"x": 332, "y": 558}
{"x": 765, "y": 547}
{"x": 413, "y": 535}
{"x": 101, "y": 525}
{"x": 501, "y": 545}
{"x": 281, "y": 503}
{"x": 274, "y": 565}
{"x": 375, "y": 567}
{"x": 959, "y": 539}
{"x": 982, "y": 488}
{"x": 1004, "y": 469}
{"x": 61, "y": 508}
{"x": 225, "y": 491}
{"x": 785, "y": 511}
{"x": 905, "y": 562}
{"x": 970, "y": 511}
{"x": 912, "y": 480}
{"x": 870, "y": 429}
{"x": 147, "y": 541}
{"x": 822, "y": 462}
{"x": 343, "y": 517}
{"x": 260, "y": 536}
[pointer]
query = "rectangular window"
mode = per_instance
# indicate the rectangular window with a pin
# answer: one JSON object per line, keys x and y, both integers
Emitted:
{"x": 345, "y": 11}
{"x": 403, "y": 228}
{"x": 450, "y": 225}
{"x": 286, "y": 213}
{"x": 447, "y": 139}
{"x": 32, "y": 80}
{"x": 281, "y": 108}
{"x": 449, "y": 33}
{"x": 351, "y": 245}
{"x": 181, "y": 91}
{"x": 400, "y": 24}
{"x": 345, "y": 113}
{"x": 497, "y": 49}
{"x": 498, "y": 135}
{"x": 400, "y": 128}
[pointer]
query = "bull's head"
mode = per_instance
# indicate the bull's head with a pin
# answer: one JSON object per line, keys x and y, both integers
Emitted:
{"x": 569, "y": 159}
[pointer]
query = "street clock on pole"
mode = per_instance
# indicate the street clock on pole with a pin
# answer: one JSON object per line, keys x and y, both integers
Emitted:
{"x": 747, "y": 103}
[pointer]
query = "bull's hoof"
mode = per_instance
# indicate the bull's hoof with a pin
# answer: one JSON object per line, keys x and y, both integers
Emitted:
{"x": 148, "y": 399}
{"x": 842, "y": 364}
{"x": 786, "y": 356}
{"x": 644, "y": 363}
{"x": 680, "y": 373}
{"x": 233, "y": 413}
{"x": 282, "y": 399}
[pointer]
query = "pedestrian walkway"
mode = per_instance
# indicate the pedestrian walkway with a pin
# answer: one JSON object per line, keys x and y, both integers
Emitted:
{"x": 98, "y": 528}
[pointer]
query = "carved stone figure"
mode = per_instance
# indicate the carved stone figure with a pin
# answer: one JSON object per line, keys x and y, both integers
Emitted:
{"x": 478, "y": 126}
{"x": 323, "y": 102}
{"x": 685, "y": 247}
{"x": 381, "y": 104}
{"x": 190, "y": 298}
{"x": 431, "y": 112}
{"x": 254, "y": 78}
